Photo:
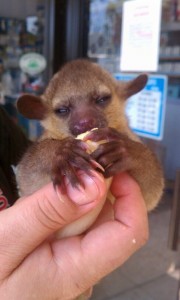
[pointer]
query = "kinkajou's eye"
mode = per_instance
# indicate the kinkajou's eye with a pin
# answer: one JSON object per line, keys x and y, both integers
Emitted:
{"x": 103, "y": 100}
{"x": 62, "y": 111}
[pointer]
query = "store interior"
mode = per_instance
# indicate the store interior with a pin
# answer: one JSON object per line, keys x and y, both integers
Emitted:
{"x": 63, "y": 30}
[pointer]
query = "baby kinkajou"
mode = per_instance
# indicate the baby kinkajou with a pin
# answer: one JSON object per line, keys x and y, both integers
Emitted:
{"x": 80, "y": 97}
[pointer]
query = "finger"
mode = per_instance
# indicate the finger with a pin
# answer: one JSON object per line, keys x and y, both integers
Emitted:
{"x": 94, "y": 135}
{"x": 114, "y": 149}
{"x": 65, "y": 170}
{"x": 105, "y": 147}
{"x": 102, "y": 149}
{"x": 28, "y": 223}
{"x": 80, "y": 144}
{"x": 71, "y": 175}
{"x": 81, "y": 153}
{"x": 106, "y": 214}
{"x": 107, "y": 133}
{"x": 69, "y": 172}
{"x": 109, "y": 245}
{"x": 124, "y": 236}
{"x": 82, "y": 164}
{"x": 58, "y": 171}
{"x": 117, "y": 167}
{"x": 109, "y": 158}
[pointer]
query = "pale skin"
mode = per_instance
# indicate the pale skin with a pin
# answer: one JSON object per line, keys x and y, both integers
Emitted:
{"x": 35, "y": 266}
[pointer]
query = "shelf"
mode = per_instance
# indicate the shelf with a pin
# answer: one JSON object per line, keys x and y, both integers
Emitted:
{"x": 170, "y": 74}
{"x": 170, "y": 58}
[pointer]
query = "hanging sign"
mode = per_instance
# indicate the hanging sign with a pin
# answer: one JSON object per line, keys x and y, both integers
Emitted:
{"x": 32, "y": 63}
{"x": 146, "y": 109}
{"x": 140, "y": 35}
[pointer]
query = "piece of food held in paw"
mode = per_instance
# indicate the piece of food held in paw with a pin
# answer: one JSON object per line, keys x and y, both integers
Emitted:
{"x": 81, "y": 225}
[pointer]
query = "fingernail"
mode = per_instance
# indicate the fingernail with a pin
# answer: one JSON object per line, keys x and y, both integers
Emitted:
{"x": 90, "y": 191}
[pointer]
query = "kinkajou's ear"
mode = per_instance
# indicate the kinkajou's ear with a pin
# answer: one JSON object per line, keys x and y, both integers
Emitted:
{"x": 129, "y": 88}
{"x": 31, "y": 107}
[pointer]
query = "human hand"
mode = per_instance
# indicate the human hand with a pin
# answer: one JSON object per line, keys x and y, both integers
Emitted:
{"x": 34, "y": 266}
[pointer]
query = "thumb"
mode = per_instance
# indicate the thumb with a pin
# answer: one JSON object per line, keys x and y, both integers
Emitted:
{"x": 28, "y": 223}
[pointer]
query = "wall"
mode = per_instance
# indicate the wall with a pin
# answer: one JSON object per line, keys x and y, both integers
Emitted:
{"x": 171, "y": 139}
{"x": 18, "y": 8}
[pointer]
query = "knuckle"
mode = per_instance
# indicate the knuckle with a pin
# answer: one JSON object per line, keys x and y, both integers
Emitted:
{"x": 48, "y": 214}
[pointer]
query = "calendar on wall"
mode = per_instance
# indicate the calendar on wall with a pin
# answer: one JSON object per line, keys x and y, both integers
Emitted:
{"x": 146, "y": 109}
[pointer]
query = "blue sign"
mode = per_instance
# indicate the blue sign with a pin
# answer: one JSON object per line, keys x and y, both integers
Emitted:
{"x": 146, "y": 109}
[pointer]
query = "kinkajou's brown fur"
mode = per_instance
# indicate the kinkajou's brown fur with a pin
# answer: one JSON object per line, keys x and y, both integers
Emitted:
{"x": 79, "y": 97}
